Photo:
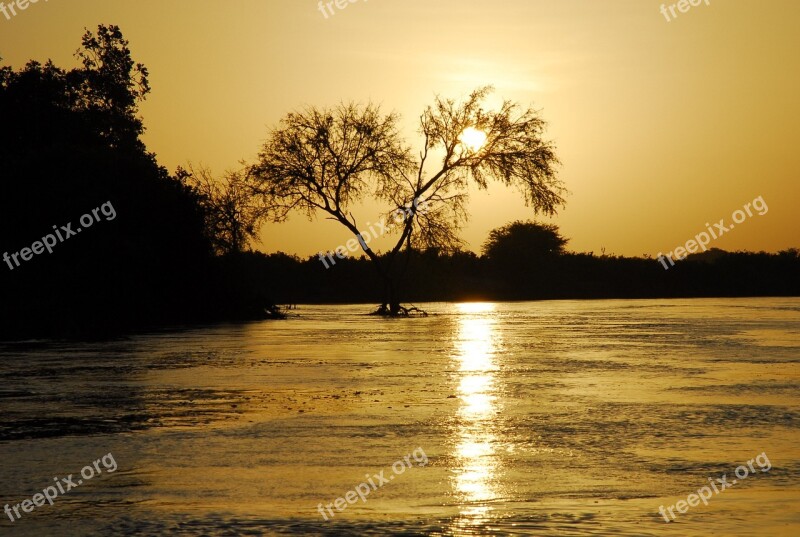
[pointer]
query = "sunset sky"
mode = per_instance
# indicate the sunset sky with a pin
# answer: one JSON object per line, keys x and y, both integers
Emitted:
{"x": 660, "y": 126}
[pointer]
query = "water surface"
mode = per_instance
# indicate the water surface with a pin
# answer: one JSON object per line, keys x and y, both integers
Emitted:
{"x": 536, "y": 418}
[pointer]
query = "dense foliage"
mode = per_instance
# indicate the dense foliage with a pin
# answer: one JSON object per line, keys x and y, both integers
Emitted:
{"x": 69, "y": 142}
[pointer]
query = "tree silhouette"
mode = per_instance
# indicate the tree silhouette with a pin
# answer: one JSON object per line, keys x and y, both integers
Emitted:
{"x": 328, "y": 159}
{"x": 70, "y": 141}
{"x": 524, "y": 253}
{"x": 524, "y": 240}
{"x": 109, "y": 86}
{"x": 231, "y": 219}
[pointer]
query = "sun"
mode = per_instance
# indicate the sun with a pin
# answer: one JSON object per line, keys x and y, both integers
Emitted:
{"x": 472, "y": 138}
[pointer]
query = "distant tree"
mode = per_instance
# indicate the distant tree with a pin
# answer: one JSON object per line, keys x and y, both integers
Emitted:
{"x": 325, "y": 160}
{"x": 790, "y": 253}
{"x": 524, "y": 240}
{"x": 231, "y": 218}
{"x": 523, "y": 257}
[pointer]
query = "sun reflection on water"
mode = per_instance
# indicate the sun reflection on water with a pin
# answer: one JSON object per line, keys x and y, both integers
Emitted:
{"x": 476, "y": 438}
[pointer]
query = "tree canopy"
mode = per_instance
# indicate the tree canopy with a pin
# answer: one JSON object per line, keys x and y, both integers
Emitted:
{"x": 326, "y": 160}
{"x": 524, "y": 240}
{"x": 231, "y": 216}
{"x": 69, "y": 142}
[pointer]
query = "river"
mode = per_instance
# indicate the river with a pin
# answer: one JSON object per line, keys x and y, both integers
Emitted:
{"x": 571, "y": 418}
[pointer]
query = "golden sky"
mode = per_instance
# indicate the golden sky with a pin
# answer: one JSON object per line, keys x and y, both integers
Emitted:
{"x": 661, "y": 126}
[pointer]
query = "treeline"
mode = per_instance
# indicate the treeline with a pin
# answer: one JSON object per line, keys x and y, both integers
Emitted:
{"x": 437, "y": 276}
{"x": 69, "y": 142}
{"x": 172, "y": 253}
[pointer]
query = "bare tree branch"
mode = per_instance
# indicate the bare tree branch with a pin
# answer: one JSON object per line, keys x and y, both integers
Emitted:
{"x": 329, "y": 159}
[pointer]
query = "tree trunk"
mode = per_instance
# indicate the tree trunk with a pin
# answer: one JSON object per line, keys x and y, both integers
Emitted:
{"x": 394, "y": 302}
{"x": 389, "y": 304}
